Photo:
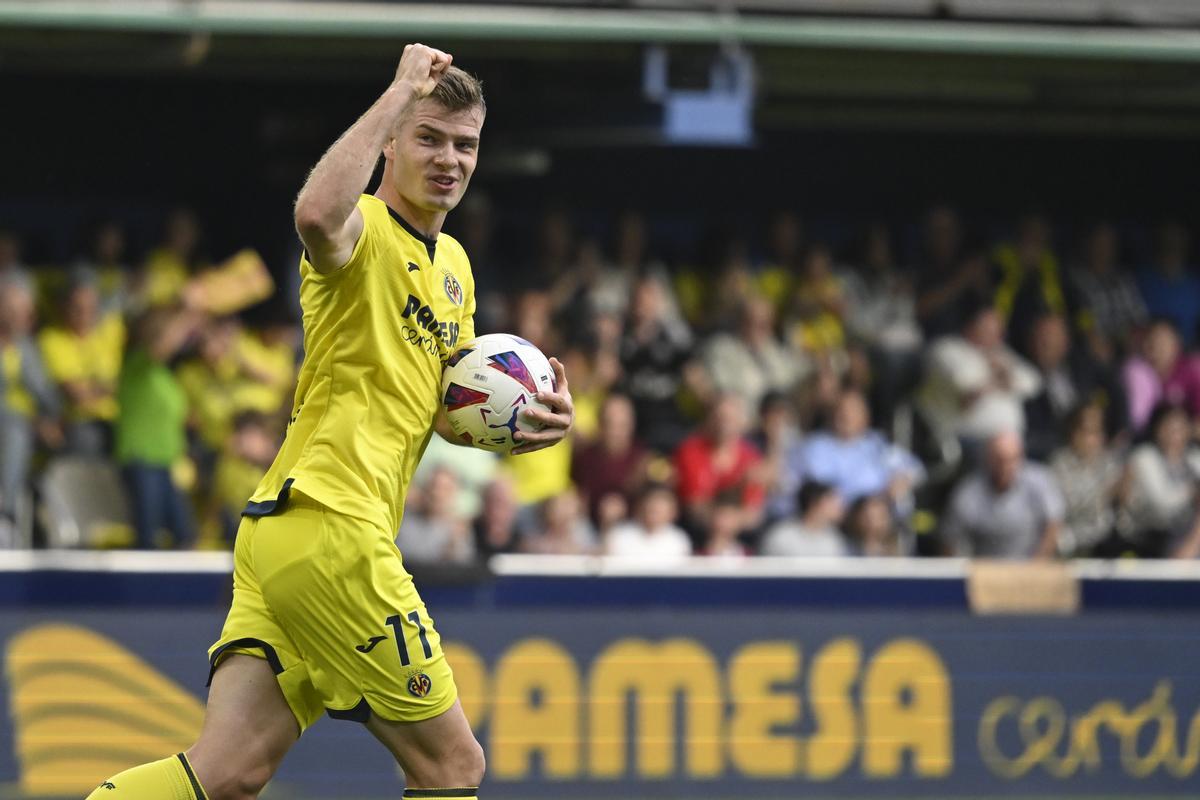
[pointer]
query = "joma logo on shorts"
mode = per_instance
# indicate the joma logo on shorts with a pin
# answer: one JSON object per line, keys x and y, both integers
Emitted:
{"x": 369, "y": 646}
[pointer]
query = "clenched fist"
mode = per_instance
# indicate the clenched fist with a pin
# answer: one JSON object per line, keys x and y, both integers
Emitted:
{"x": 421, "y": 68}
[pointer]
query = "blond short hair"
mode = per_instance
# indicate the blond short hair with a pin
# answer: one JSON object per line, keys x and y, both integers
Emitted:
{"x": 459, "y": 90}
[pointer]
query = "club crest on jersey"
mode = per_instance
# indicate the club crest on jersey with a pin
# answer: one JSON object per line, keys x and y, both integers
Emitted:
{"x": 453, "y": 289}
{"x": 419, "y": 685}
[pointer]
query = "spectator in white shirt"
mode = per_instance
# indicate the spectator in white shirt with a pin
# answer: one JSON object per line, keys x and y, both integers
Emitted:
{"x": 651, "y": 536}
{"x": 975, "y": 385}
{"x": 1164, "y": 473}
{"x": 753, "y": 361}
{"x": 814, "y": 533}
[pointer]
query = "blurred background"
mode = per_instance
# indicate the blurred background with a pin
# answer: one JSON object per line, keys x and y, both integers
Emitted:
{"x": 880, "y": 317}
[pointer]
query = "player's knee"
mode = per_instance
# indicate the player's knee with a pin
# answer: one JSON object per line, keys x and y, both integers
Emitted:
{"x": 231, "y": 778}
{"x": 472, "y": 764}
{"x": 461, "y": 765}
{"x": 244, "y": 783}
{"x": 251, "y": 782}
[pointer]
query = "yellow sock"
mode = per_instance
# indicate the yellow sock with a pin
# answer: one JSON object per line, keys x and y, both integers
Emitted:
{"x": 169, "y": 779}
{"x": 443, "y": 794}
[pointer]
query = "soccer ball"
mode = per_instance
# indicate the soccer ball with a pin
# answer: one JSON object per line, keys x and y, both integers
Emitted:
{"x": 487, "y": 383}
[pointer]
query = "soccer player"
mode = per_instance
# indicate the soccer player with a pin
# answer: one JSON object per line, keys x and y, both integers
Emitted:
{"x": 325, "y": 618}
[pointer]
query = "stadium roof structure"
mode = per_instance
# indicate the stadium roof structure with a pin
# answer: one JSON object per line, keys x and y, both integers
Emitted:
{"x": 1143, "y": 30}
{"x": 1090, "y": 68}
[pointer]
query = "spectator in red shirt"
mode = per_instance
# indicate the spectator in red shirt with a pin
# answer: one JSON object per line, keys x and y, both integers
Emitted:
{"x": 613, "y": 466}
{"x": 719, "y": 459}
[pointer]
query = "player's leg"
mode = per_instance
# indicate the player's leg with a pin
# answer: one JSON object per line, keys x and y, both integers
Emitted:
{"x": 248, "y": 728}
{"x": 438, "y": 753}
{"x": 340, "y": 591}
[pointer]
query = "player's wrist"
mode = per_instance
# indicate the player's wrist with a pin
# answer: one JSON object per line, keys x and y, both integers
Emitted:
{"x": 401, "y": 93}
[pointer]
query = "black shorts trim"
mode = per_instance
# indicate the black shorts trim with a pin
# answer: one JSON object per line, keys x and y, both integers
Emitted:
{"x": 360, "y": 713}
{"x": 265, "y": 508}
{"x": 466, "y": 791}
{"x": 268, "y": 651}
{"x": 196, "y": 788}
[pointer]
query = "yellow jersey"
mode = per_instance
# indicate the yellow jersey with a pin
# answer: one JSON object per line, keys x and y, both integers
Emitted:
{"x": 376, "y": 335}
{"x": 218, "y": 392}
{"x": 164, "y": 276}
{"x": 95, "y": 356}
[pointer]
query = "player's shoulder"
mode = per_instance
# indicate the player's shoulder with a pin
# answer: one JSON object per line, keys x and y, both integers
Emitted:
{"x": 454, "y": 255}
{"x": 448, "y": 244}
{"x": 373, "y": 209}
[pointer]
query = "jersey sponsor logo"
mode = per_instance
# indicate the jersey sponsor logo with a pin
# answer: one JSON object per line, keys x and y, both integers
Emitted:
{"x": 453, "y": 289}
{"x": 419, "y": 685}
{"x": 444, "y": 333}
{"x": 418, "y": 338}
{"x": 107, "y": 785}
{"x": 413, "y": 267}
{"x": 370, "y": 645}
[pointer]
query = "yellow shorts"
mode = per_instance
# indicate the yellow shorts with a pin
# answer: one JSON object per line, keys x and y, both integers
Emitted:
{"x": 324, "y": 598}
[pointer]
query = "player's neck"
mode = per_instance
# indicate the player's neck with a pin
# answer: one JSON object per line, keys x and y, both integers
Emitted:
{"x": 427, "y": 223}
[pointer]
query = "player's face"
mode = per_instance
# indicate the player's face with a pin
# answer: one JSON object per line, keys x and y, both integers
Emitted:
{"x": 433, "y": 155}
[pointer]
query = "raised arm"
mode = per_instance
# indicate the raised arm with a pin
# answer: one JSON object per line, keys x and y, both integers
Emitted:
{"x": 326, "y": 214}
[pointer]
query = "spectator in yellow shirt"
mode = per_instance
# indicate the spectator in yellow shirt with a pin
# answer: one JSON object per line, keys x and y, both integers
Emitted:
{"x": 226, "y": 378}
{"x": 269, "y": 352}
{"x": 818, "y": 306}
{"x": 776, "y": 276}
{"x": 169, "y": 266}
{"x": 83, "y": 358}
{"x": 248, "y": 453}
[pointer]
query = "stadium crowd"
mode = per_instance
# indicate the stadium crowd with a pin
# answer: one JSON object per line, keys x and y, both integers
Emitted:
{"x": 1036, "y": 396}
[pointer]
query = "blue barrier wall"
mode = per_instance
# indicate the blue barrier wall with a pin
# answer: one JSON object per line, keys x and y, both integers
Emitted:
{"x": 730, "y": 691}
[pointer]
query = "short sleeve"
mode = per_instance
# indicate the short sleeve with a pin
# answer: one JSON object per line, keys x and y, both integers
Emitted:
{"x": 367, "y": 244}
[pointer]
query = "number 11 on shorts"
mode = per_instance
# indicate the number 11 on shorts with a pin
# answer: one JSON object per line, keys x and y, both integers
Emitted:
{"x": 397, "y": 625}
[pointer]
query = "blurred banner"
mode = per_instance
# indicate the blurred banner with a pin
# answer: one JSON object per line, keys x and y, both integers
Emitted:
{"x": 694, "y": 701}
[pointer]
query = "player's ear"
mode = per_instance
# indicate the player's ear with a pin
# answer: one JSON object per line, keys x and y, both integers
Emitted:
{"x": 389, "y": 149}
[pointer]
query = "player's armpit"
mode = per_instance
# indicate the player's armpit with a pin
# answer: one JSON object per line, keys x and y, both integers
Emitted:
{"x": 329, "y": 249}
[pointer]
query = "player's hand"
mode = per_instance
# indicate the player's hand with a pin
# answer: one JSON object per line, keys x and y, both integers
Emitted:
{"x": 558, "y": 420}
{"x": 421, "y": 68}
